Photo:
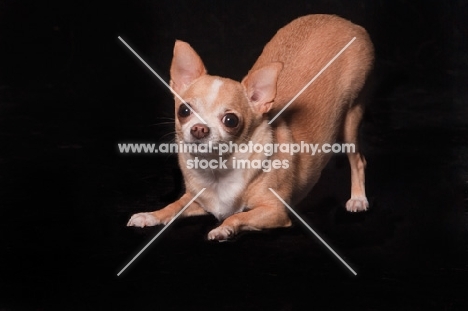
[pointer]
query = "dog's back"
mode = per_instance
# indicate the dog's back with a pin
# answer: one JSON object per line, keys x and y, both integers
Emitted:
{"x": 305, "y": 46}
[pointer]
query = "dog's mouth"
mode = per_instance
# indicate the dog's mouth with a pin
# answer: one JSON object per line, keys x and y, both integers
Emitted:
{"x": 202, "y": 148}
{"x": 206, "y": 148}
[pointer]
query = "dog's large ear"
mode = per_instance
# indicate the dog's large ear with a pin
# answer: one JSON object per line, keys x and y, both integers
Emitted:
{"x": 186, "y": 66}
{"x": 260, "y": 86}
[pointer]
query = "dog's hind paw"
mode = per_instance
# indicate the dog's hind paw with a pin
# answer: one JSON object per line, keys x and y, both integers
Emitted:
{"x": 143, "y": 220}
{"x": 357, "y": 204}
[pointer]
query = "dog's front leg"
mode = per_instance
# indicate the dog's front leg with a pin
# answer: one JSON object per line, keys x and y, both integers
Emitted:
{"x": 258, "y": 218}
{"x": 164, "y": 215}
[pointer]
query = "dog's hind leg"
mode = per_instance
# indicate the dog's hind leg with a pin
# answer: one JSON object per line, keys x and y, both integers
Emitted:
{"x": 358, "y": 201}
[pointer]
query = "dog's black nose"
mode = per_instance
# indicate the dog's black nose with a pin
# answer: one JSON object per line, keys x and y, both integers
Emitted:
{"x": 199, "y": 131}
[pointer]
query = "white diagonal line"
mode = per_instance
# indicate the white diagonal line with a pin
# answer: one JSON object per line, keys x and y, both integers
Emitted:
{"x": 161, "y": 79}
{"x": 313, "y": 79}
{"x": 312, "y": 230}
{"x": 162, "y": 230}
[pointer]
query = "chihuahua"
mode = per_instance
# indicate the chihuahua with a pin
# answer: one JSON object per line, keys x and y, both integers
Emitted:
{"x": 214, "y": 110}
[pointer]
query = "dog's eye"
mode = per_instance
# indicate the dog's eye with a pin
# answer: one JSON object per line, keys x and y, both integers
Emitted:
{"x": 184, "y": 111}
{"x": 230, "y": 120}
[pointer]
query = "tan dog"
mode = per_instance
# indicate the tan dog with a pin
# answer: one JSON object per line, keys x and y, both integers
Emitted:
{"x": 235, "y": 112}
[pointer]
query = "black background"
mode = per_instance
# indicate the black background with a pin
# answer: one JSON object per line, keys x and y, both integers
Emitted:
{"x": 70, "y": 91}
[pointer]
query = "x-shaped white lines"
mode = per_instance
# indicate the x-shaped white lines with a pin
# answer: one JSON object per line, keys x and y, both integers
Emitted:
{"x": 274, "y": 192}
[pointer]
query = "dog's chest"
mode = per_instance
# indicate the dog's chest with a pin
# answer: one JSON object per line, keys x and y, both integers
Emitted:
{"x": 222, "y": 196}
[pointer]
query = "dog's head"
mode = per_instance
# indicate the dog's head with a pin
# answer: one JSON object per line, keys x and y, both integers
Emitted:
{"x": 215, "y": 109}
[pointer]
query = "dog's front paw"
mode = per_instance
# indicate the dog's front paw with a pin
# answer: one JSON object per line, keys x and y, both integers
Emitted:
{"x": 143, "y": 220}
{"x": 221, "y": 233}
{"x": 357, "y": 204}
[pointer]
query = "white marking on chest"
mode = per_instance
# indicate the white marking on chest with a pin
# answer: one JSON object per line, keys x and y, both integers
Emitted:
{"x": 222, "y": 197}
{"x": 213, "y": 91}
